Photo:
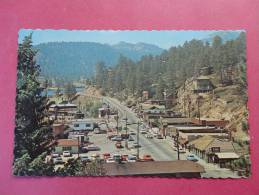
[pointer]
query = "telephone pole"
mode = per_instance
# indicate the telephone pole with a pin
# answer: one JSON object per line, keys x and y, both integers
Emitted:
{"x": 177, "y": 144}
{"x": 117, "y": 122}
{"x": 138, "y": 140}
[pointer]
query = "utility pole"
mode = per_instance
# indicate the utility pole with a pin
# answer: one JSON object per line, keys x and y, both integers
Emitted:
{"x": 117, "y": 122}
{"x": 126, "y": 126}
{"x": 108, "y": 112}
{"x": 177, "y": 144}
{"x": 199, "y": 114}
{"x": 78, "y": 144}
{"x": 138, "y": 140}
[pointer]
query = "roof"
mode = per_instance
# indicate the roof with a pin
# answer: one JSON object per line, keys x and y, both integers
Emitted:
{"x": 203, "y": 78}
{"x": 227, "y": 155}
{"x": 153, "y": 168}
{"x": 63, "y": 105}
{"x": 182, "y": 128}
{"x": 176, "y": 120}
{"x": 67, "y": 142}
{"x": 206, "y": 142}
{"x": 151, "y": 106}
{"x": 202, "y": 143}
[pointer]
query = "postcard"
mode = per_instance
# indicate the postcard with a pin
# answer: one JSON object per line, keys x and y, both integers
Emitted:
{"x": 169, "y": 103}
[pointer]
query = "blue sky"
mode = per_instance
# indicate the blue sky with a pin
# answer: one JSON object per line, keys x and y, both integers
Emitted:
{"x": 163, "y": 39}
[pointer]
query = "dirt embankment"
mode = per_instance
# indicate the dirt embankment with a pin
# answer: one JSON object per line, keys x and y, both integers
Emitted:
{"x": 224, "y": 102}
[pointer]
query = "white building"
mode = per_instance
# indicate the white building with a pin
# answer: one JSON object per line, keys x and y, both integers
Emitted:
{"x": 83, "y": 125}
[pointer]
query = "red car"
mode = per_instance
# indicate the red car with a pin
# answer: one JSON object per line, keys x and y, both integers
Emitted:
{"x": 106, "y": 155}
{"x": 147, "y": 157}
{"x": 124, "y": 157}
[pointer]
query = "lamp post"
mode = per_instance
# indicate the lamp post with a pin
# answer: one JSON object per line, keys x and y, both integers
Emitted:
{"x": 177, "y": 144}
{"x": 78, "y": 144}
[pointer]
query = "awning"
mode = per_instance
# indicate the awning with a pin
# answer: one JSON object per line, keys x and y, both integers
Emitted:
{"x": 227, "y": 155}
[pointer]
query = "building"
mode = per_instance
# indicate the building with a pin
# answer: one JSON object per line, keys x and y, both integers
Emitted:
{"x": 71, "y": 145}
{"x": 202, "y": 85}
{"x": 210, "y": 122}
{"x": 82, "y": 136}
{"x": 214, "y": 150}
{"x": 168, "y": 124}
{"x": 64, "y": 112}
{"x": 180, "y": 168}
{"x": 83, "y": 125}
{"x": 192, "y": 132}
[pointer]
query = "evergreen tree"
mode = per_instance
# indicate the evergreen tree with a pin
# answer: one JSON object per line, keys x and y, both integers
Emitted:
{"x": 32, "y": 131}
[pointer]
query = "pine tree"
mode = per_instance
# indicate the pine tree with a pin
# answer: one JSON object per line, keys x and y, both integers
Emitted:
{"x": 32, "y": 131}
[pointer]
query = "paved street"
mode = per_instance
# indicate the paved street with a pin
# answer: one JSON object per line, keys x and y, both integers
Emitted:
{"x": 161, "y": 149}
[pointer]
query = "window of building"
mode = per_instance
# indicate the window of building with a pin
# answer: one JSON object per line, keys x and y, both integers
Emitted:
{"x": 215, "y": 149}
{"x": 67, "y": 148}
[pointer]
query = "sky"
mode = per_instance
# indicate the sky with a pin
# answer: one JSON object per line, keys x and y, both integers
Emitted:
{"x": 164, "y": 39}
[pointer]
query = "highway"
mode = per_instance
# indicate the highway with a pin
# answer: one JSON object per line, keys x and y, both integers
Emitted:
{"x": 157, "y": 148}
{"x": 161, "y": 149}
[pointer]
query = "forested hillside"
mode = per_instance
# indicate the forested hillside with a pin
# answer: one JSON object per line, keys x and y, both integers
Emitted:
{"x": 170, "y": 70}
{"x": 75, "y": 59}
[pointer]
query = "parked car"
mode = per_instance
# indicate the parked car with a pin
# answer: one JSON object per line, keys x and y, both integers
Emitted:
{"x": 55, "y": 155}
{"x": 159, "y": 136}
{"x": 118, "y": 144}
{"x": 149, "y": 136}
{"x": 131, "y": 138}
{"x": 85, "y": 159}
{"x": 124, "y": 157}
{"x": 110, "y": 160}
{"x": 136, "y": 145}
{"x": 117, "y": 157}
{"x": 92, "y": 148}
{"x": 116, "y": 138}
{"x": 143, "y": 131}
{"x": 147, "y": 157}
{"x": 95, "y": 156}
{"x": 192, "y": 157}
{"x": 106, "y": 155}
{"x": 132, "y": 158}
{"x": 66, "y": 154}
{"x": 58, "y": 160}
{"x": 124, "y": 136}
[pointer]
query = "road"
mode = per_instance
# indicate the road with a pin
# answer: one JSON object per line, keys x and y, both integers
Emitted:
{"x": 161, "y": 149}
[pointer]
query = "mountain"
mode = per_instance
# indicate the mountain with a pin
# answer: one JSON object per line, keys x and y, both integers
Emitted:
{"x": 225, "y": 36}
{"x": 136, "y": 51}
{"x": 75, "y": 59}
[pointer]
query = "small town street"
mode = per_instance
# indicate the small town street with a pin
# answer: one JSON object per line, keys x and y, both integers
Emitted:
{"x": 161, "y": 149}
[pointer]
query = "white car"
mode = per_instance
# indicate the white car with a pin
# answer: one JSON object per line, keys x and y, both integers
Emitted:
{"x": 149, "y": 136}
{"x": 85, "y": 159}
{"x": 55, "y": 155}
{"x": 92, "y": 148}
{"x": 66, "y": 154}
{"x": 110, "y": 160}
{"x": 58, "y": 160}
{"x": 132, "y": 158}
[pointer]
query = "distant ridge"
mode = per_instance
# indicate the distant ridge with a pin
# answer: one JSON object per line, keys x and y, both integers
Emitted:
{"x": 74, "y": 59}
